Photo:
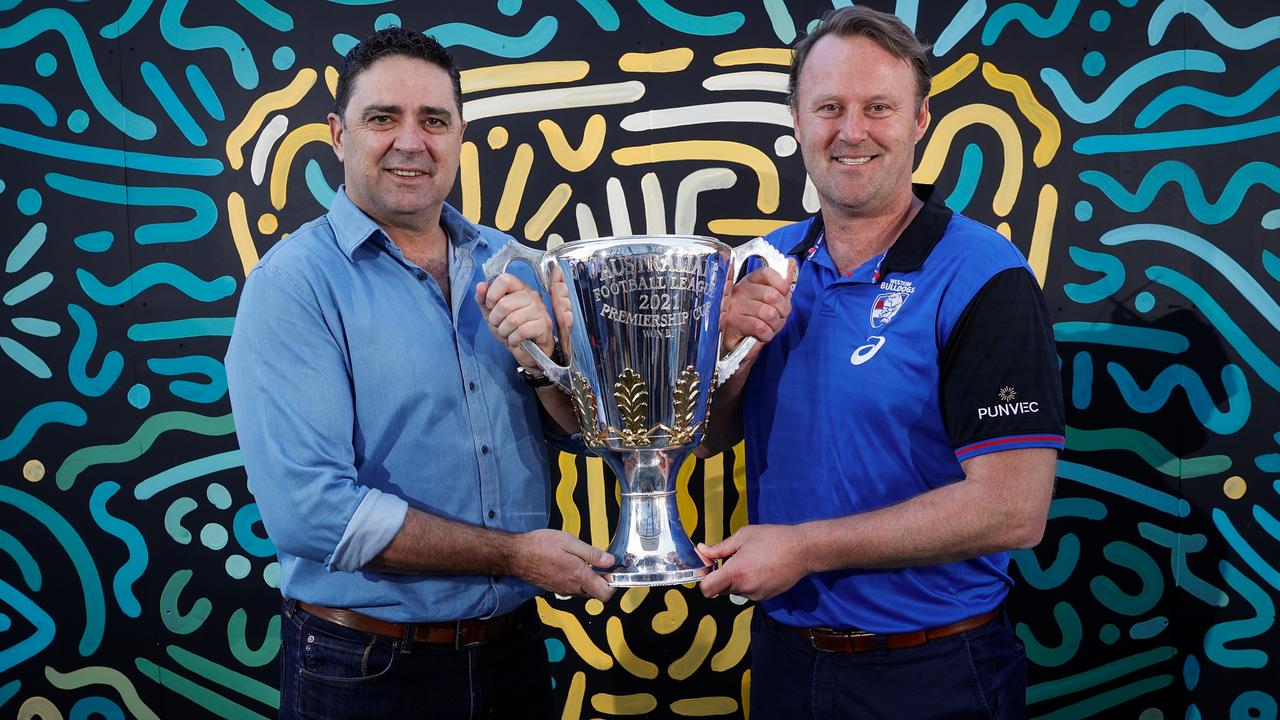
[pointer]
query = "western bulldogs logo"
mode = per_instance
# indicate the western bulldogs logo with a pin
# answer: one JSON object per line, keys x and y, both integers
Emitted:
{"x": 886, "y": 306}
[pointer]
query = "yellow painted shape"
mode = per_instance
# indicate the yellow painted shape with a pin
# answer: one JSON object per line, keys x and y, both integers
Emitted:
{"x": 37, "y": 706}
{"x": 754, "y": 56}
{"x": 710, "y": 706}
{"x": 638, "y": 704}
{"x": 739, "y": 640}
{"x": 715, "y": 150}
{"x": 513, "y": 190}
{"x": 573, "y": 700}
{"x": 663, "y": 61}
{"x": 286, "y": 97}
{"x": 745, "y": 227}
{"x": 685, "y": 505}
{"x": 738, "y": 519}
{"x": 239, "y": 222}
{"x": 267, "y": 223}
{"x": 289, "y": 147}
{"x": 331, "y": 80}
{"x": 1048, "y": 125}
{"x": 595, "y": 503}
{"x": 33, "y": 470}
{"x": 623, "y": 653}
{"x": 1006, "y": 230}
{"x": 699, "y": 649}
{"x": 494, "y": 77}
{"x": 588, "y": 150}
{"x": 593, "y": 607}
{"x": 668, "y": 621}
{"x": 746, "y": 695}
{"x": 713, "y": 499}
{"x": 572, "y": 519}
{"x": 1235, "y": 487}
{"x": 547, "y": 212}
{"x": 1042, "y": 233}
{"x": 632, "y": 598}
{"x": 575, "y": 634}
{"x": 977, "y": 114}
{"x": 953, "y": 74}
{"x": 469, "y": 176}
{"x": 498, "y": 137}
{"x": 103, "y": 675}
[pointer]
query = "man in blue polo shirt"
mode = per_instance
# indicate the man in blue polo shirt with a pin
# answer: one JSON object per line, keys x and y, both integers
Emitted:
{"x": 902, "y": 420}
{"x": 395, "y": 454}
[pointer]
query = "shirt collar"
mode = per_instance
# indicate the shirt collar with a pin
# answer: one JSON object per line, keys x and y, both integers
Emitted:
{"x": 911, "y": 248}
{"x": 353, "y": 227}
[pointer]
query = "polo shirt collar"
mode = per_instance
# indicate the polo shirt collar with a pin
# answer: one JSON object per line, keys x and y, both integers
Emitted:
{"x": 353, "y": 228}
{"x": 912, "y": 247}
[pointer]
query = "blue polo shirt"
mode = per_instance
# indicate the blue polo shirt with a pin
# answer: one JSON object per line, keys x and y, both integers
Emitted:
{"x": 878, "y": 386}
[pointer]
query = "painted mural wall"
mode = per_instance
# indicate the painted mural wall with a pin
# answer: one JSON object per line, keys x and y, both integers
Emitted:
{"x": 151, "y": 150}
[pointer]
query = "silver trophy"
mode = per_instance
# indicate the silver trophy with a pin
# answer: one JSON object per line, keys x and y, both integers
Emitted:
{"x": 643, "y": 361}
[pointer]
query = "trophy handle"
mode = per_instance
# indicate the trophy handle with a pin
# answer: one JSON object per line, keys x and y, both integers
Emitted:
{"x": 536, "y": 259}
{"x": 776, "y": 261}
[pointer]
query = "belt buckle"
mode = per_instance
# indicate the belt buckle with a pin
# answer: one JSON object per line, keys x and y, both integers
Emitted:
{"x": 457, "y": 637}
{"x": 814, "y": 634}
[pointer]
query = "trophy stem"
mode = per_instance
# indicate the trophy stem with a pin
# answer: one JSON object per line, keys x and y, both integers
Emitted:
{"x": 650, "y": 545}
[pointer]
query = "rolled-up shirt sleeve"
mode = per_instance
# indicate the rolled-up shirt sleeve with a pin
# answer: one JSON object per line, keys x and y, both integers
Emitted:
{"x": 291, "y": 394}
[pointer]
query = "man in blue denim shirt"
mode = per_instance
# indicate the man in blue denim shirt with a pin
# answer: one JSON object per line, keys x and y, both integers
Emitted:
{"x": 396, "y": 455}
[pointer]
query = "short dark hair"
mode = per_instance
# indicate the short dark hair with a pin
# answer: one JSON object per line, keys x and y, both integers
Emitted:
{"x": 390, "y": 42}
{"x": 884, "y": 28}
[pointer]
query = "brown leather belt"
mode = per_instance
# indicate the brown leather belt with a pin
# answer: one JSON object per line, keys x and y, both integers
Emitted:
{"x": 856, "y": 641}
{"x": 460, "y": 634}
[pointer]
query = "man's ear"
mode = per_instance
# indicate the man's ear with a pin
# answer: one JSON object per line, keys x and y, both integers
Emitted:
{"x": 922, "y": 119}
{"x": 336, "y": 130}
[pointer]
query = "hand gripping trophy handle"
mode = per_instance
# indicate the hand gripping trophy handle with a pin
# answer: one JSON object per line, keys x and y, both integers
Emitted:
{"x": 495, "y": 266}
{"x": 777, "y": 262}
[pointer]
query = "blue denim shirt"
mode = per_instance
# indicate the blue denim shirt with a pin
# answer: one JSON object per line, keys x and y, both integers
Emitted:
{"x": 359, "y": 392}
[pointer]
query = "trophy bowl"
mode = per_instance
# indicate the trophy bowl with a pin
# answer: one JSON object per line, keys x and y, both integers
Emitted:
{"x": 643, "y": 361}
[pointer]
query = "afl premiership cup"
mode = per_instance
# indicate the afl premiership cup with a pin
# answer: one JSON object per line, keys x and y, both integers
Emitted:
{"x": 643, "y": 354}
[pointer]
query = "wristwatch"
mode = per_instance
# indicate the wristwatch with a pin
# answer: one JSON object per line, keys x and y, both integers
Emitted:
{"x": 537, "y": 381}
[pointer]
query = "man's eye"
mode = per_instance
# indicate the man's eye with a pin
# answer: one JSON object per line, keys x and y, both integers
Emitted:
{"x": 435, "y": 122}
{"x": 380, "y": 119}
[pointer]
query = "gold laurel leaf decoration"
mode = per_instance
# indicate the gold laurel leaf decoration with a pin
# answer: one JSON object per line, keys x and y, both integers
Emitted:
{"x": 584, "y": 401}
{"x": 633, "y": 404}
{"x": 686, "y": 402}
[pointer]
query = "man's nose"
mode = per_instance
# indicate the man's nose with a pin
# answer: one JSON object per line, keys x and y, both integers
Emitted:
{"x": 410, "y": 138}
{"x": 853, "y": 128}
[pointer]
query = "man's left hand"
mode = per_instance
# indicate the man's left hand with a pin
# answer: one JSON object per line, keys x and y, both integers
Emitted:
{"x": 760, "y": 562}
{"x": 515, "y": 313}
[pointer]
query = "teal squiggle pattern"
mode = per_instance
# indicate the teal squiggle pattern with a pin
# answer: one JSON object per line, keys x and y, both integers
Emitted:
{"x": 243, "y": 66}
{"x": 1181, "y": 545}
{"x": 1064, "y": 563}
{"x": 965, "y": 19}
{"x": 967, "y": 184}
{"x": 205, "y": 93}
{"x": 131, "y": 16}
{"x": 1243, "y": 344}
{"x": 680, "y": 21}
{"x": 1182, "y": 174}
{"x": 1112, "y": 279}
{"x": 28, "y": 647}
{"x": 1124, "y": 488}
{"x": 1220, "y": 105}
{"x": 603, "y": 13}
{"x": 134, "y": 542}
{"x": 62, "y": 413}
{"x": 1176, "y": 139}
{"x": 1131, "y": 336}
{"x": 60, "y": 21}
{"x": 1248, "y": 38}
{"x": 112, "y": 157}
{"x": 208, "y": 392}
{"x": 1217, "y": 637}
{"x": 176, "y": 276}
{"x": 498, "y": 45}
{"x": 190, "y": 470}
{"x": 1130, "y": 557}
{"x": 1239, "y": 402}
{"x": 1246, "y": 551}
{"x": 26, "y": 248}
{"x": 177, "y": 329}
{"x": 22, "y": 557}
{"x": 1041, "y": 27}
{"x": 274, "y": 17}
{"x": 1069, "y": 626}
{"x": 201, "y": 205}
{"x": 82, "y": 351}
{"x": 25, "y": 97}
{"x": 1143, "y": 72}
{"x": 168, "y": 99}
{"x": 66, "y": 536}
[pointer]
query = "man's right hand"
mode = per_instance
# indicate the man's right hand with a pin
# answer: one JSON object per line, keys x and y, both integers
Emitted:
{"x": 757, "y": 307}
{"x": 557, "y": 561}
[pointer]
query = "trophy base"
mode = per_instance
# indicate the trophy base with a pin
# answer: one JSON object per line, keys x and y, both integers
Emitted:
{"x": 633, "y": 577}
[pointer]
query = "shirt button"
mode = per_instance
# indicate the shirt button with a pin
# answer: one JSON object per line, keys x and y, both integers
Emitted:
{"x": 472, "y": 386}
{"x": 492, "y": 514}
{"x": 484, "y": 449}
{"x": 422, "y": 277}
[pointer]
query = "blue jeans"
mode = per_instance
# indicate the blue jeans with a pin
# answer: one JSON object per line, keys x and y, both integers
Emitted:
{"x": 333, "y": 672}
{"x": 981, "y": 673}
